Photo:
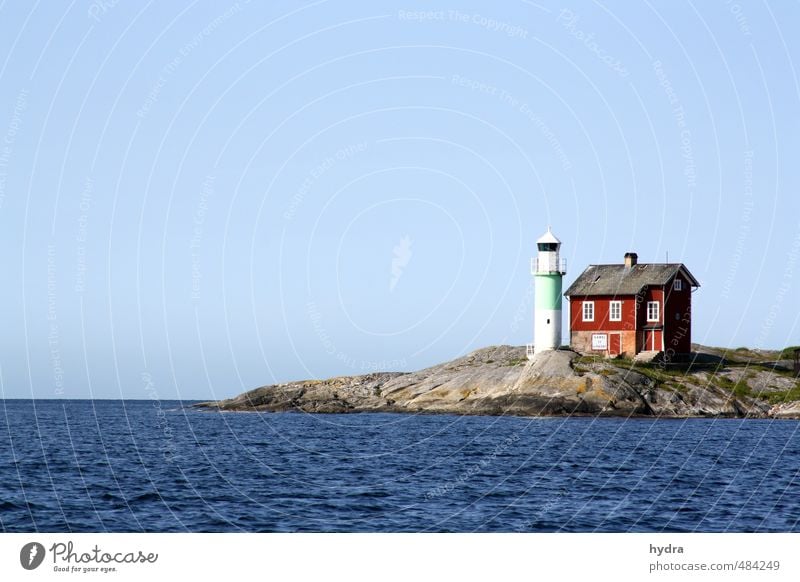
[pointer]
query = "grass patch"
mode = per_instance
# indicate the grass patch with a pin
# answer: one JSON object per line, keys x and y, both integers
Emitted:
{"x": 723, "y": 382}
{"x": 660, "y": 374}
{"x": 693, "y": 380}
{"x": 517, "y": 362}
{"x": 678, "y": 387}
{"x": 655, "y": 375}
{"x": 786, "y": 396}
{"x": 774, "y": 370}
{"x": 788, "y": 353}
{"x": 589, "y": 359}
{"x": 740, "y": 388}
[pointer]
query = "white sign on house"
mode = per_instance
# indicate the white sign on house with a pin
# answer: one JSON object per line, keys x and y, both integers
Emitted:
{"x": 599, "y": 341}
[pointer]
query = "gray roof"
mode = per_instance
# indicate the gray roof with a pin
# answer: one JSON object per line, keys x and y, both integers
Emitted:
{"x": 619, "y": 280}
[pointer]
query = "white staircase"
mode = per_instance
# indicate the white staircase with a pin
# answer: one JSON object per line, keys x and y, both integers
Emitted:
{"x": 647, "y": 356}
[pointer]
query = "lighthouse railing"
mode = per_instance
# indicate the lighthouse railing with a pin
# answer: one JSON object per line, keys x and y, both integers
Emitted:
{"x": 549, "y": 266}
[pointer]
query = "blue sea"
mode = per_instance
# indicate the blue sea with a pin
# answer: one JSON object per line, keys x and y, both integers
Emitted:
{"x": 150, "y": 466}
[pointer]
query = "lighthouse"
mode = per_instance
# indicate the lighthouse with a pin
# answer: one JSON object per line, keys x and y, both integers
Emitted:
{"x": 547, "y": 269}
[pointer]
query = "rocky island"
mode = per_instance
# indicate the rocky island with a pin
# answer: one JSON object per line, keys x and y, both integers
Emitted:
{"x": 500, "y": 380}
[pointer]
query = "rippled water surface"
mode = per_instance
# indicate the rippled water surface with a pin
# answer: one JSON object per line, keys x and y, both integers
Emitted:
{"x": 150, "y": 466}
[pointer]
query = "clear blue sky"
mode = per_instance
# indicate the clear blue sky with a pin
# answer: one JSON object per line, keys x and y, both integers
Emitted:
{"x": 200, "y": 198}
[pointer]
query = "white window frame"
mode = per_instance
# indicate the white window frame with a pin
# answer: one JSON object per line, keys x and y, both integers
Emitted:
{"x": 600, "y": 342}
{"x": 611, "y": 306}
{"x": 587, "y": 307}
{"x": 653, "y": 306}
{"x": 677, "y": 285}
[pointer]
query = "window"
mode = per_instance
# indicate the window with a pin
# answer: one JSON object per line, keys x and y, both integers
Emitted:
{"x": 588, "y": 311}
{"x": 652, "y": 311}
{"x": 615, "y": 311}
{"x": 677, "y": 285}
{"x": 599, "y": 341}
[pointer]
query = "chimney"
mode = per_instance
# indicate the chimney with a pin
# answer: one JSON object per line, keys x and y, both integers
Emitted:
{"x": 630, "y": 260}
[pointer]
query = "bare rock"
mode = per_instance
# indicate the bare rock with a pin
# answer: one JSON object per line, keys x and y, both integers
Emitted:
{"x": 500, "y": 380}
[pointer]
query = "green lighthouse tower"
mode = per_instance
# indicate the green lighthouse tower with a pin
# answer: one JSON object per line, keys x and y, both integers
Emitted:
{"x": 548, "y": 269}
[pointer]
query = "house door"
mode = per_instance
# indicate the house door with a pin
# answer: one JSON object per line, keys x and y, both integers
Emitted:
{"x": 614, "y": 344}
{"x": 652, "y": 340}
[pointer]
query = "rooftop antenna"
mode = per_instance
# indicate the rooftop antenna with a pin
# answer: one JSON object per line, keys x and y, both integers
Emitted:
{"x": 668, "y": 257}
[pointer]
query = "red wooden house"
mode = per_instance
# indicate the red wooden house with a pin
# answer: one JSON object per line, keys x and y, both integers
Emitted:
{"x": 631, "y": 308}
